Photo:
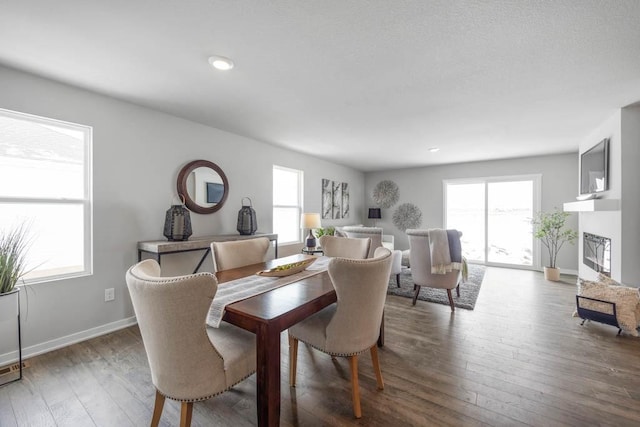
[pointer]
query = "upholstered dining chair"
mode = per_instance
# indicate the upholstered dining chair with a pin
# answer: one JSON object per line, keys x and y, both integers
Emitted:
{"x": 420, "y": 261}
{"x": 189, "y": 361}
{"x": 377, "y": 241}
{"x": 374, "y": 233}
{"x": 238, "y": 253}
{"x": 352, "y": 324}
{"x": 345, "y": 247}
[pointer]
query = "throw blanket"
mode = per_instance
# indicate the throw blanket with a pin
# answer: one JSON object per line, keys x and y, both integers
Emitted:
{"x": 446, "y": 251}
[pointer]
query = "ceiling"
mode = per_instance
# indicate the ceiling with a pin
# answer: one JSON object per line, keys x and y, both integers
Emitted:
{"x": 369, "y": 84}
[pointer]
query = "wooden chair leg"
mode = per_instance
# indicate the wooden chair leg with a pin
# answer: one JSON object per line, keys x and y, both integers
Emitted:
{"x": 355, "y": 387}
{"x": 157, "y": 409}
{"x": 453, "y": 307}
{"x": 458, "y": 290}
{"x": 398, "y": 280}
{"x": 293, "y": 360}
{"x": 415, "y": 296}
{"x": 376, "y": 367}
{"x": 185, "y": 414}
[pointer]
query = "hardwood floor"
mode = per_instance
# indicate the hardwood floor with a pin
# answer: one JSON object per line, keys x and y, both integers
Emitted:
{"x": 519, "y": 358}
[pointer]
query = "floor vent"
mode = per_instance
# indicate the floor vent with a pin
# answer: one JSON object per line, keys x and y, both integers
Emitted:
{"x": 5, "y": 370}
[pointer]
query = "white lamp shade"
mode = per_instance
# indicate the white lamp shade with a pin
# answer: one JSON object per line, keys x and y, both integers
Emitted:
{"x": 310, "y": 220}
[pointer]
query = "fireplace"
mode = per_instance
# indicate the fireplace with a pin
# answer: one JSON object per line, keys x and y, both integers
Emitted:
{"x": 596, "y": 253}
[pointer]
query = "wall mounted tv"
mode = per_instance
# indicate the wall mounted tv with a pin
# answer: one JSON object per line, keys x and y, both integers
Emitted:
{"x": 215, "y": 191}
{"x": 594, "y": 168}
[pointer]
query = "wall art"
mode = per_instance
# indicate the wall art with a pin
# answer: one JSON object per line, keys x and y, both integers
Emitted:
{"x": 386, "y": 194}
{"x": 337, "y": 200}
{"x": 407, "y": 215}
{"x": 345, "y": 200}
{"x": 327, "y": 199}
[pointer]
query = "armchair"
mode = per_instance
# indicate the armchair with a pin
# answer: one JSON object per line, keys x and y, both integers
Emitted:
{"x": 420, "y": 259}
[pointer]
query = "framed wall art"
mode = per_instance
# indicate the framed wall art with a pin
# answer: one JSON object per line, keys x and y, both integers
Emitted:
{"x": 327, "y": 199}
{"x": 345, "y": 200}
{"x": 335, "y": 199}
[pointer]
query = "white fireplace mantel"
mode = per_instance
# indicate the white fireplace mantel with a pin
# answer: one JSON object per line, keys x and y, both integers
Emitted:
{"x": 593, "y": 205}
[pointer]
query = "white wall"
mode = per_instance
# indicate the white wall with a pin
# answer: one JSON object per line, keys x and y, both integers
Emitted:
{"x": 424, "y": 188}
{"x": 630, "y": 203}
{"x": 607, "y": 224}
{"x": 621, "y": 226}
{"x": 137, "y": 154}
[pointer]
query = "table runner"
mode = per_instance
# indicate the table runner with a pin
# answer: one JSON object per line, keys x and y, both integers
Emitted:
{"x": 246, "y": 287}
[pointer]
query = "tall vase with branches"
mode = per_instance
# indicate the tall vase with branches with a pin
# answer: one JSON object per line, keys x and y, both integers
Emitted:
{"x": 550, "y": 228}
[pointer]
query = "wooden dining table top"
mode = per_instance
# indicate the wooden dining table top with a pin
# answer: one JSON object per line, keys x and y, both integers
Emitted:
{"x": 280, "y": 304}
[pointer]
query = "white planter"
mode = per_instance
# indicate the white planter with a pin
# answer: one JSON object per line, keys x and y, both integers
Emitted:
{"x": 9, "y": 305}
{"x": 552, "y": 274}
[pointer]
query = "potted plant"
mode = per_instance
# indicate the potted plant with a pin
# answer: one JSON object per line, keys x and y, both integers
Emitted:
{"x": 329, "y": 231}
{"x": 549, "y": 227}
{"x": 13, "y": 250}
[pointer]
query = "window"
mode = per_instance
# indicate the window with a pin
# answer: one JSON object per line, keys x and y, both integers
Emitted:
{"x": 45, "y": 185}
{"x": 287, "y": 204}
{"x": 494, "y": 215}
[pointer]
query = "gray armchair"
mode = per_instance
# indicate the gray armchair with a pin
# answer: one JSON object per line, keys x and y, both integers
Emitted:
{"x": 420, "y": 260}
{"x": 351, "y": 325}
{"x": 189, "y": 361}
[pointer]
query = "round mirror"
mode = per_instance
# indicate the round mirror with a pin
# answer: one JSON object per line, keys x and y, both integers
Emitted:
{"x": 203, "y": 185}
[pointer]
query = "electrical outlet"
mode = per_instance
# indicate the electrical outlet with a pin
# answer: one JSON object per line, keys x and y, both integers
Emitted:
{"x": 109, "y": 294}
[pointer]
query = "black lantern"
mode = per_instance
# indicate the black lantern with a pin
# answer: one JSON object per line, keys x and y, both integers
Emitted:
{"x": 177, "y": 223}
{"x": 247, "y": 222}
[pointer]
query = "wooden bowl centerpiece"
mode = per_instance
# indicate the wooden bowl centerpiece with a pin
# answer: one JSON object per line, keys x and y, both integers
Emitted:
{"x": 287, "y": 269}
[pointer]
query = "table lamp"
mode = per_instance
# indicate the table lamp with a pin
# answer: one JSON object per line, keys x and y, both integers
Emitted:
{"x": 374, "y": 213}
{"x": 310, "y": 221}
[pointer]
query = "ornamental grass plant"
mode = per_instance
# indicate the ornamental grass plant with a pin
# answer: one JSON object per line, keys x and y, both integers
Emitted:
{"x": 13, "y": 250}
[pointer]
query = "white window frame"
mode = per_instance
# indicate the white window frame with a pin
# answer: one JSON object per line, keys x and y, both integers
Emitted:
{"x": 537, "y": 196}
{"x": 86, "y": 201}
{"x": 298, "y": 207}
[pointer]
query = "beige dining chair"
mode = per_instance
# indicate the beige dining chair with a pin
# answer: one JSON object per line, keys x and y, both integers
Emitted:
{"x": 189, "y": 361}
{"x": 352, "y": 324}
{"x": 238, "y": 253}
{"x": 345, "y": 247}
{"x": 420, "y": 261}
{"x": 376, "y": 236}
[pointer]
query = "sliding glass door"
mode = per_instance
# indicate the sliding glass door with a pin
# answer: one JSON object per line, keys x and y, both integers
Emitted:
{"x": 494, "y": 216}
{"x": 465, "y": 212}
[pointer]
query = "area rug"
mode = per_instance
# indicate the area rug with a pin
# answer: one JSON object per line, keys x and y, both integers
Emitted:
{"x": 469, "y": 290}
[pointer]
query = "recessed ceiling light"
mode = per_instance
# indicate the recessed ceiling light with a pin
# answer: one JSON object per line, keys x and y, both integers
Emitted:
{"x": 434, "y": 149}
{"x": 221, "y": 63}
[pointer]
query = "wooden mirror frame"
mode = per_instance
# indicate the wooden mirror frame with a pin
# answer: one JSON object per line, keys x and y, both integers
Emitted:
{"x": 182, "y": 186}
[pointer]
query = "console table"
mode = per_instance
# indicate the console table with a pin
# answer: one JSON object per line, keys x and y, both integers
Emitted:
{"x": 164, "y": 247}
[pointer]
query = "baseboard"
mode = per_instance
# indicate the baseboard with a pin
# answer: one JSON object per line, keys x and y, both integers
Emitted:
{"x": 65, "y": 341}
{"x": 570, "y": 272}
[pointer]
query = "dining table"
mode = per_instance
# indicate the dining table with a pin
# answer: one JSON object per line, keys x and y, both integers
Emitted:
{"x": 267, "y": 315}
